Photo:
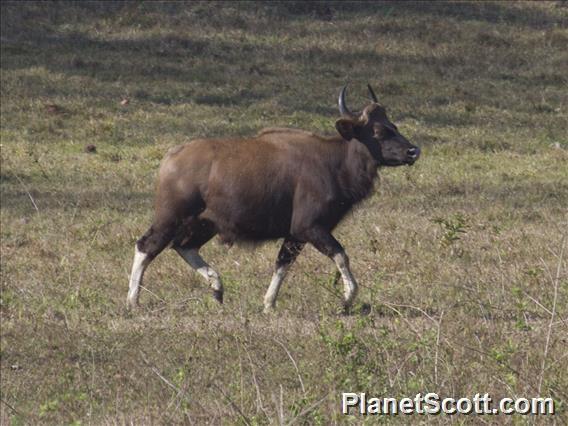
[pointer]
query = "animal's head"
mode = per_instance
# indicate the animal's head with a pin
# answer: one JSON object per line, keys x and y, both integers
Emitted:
{"x": 373, "y": 128}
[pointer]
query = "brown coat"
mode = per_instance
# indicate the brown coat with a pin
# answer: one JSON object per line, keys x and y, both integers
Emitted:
{"x": 266, "y": 187}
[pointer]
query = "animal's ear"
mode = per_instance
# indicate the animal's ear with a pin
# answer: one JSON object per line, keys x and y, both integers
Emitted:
{"x": 346, "y": 128}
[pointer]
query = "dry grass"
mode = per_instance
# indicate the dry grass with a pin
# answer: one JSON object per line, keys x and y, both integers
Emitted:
{"x": 459, "y": 257}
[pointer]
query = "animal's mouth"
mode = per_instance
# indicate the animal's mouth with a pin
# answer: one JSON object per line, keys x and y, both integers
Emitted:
{"x": 399, "y": 162}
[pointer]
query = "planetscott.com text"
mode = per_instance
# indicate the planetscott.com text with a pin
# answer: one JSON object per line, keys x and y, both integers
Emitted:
{"x": 432, "y": 403}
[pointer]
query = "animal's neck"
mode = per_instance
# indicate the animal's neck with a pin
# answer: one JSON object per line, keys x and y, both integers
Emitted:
{"x": 359, "y": 172}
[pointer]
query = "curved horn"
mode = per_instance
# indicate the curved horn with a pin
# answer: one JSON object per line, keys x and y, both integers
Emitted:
{"x": 342, "y": 107}
{"x": 372, "y": 94}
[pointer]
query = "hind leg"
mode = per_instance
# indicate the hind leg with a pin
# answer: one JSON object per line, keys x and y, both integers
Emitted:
{"x": 200, "y": 232}
{"x": 147, "y": 248}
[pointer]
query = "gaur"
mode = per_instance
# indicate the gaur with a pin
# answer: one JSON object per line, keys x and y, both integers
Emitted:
{"x": 281, "y": 183}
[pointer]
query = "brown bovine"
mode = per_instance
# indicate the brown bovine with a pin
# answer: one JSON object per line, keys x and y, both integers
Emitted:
{"x": 282, "y": 183}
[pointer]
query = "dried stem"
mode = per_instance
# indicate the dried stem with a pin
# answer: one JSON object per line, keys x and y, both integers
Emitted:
{"x": 293, "y": 363}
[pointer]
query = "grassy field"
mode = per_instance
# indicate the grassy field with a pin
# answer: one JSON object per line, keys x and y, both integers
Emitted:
{"x": 461, "y": 258}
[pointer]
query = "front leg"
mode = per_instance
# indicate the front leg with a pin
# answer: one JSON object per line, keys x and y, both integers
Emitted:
{"x": 288, "y": 252}
{"x": 350, "y": 286}
{"x": 326, "y": 244}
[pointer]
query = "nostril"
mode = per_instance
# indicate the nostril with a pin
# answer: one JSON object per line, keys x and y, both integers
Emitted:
{"x": 412, "y": 152}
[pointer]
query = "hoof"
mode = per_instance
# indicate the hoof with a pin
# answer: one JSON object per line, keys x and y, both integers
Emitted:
{"x": 268, "y": 310}
{"x": 218, "y": 295}
{"x": 366, "y": 309}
